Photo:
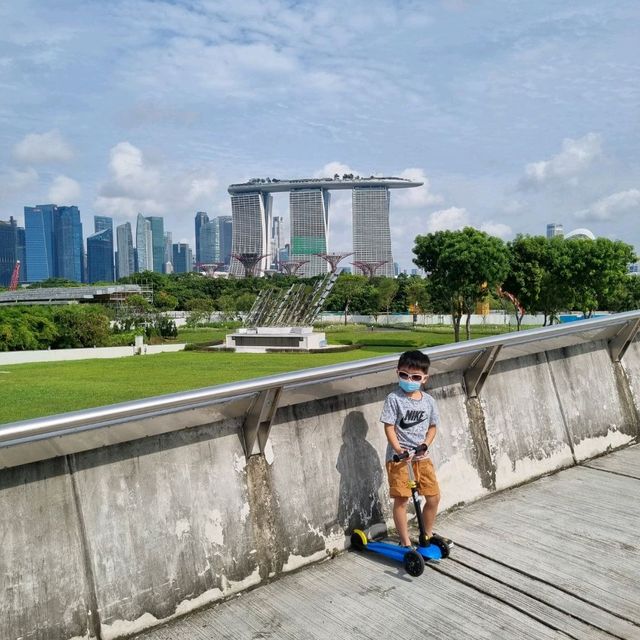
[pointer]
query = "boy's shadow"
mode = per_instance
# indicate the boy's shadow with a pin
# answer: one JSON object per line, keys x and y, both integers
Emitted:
{"x": 361, "y": 476}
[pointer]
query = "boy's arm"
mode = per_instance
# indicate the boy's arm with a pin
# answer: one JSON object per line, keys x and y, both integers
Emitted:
{"x": 431, "y": 435}
{"x": 390, "y": 432}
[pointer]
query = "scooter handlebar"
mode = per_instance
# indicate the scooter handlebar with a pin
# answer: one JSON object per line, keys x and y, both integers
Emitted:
{"x": 419, "y": 450}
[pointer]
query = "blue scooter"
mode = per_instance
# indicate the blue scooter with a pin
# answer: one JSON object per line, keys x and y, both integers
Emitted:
{"x": 434, "y": 548}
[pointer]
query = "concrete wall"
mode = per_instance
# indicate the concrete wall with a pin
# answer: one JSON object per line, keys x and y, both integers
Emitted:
{"x": 110, "y": 541}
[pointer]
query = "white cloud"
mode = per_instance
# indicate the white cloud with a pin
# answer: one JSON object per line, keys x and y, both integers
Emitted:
{"x": 135, "y": 185}
{"x": 64, "y": 190}
{"x": 14, "y": 181}
{"x": 418, "y": 196}
{"x": 452, "y": 218}
{"x": 331, "y": 168}
{"x": 575, "y": 157}
{"x": 43, "y": 148}
{"x": 498, "y": 229}
{"x": 614, "y": 206}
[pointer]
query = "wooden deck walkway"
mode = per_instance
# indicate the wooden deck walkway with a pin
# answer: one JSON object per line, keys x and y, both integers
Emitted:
{"x": 557, "y": 558}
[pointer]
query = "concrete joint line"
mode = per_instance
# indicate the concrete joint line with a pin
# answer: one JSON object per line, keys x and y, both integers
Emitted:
{"x": 620, "y": 342}
{"x": 258, "y": 421}
{"x": 93, "y": 617}
{"x": 565, "y": 422}
{"x": 478, "y": 371}
{"x": 615, "y": 473}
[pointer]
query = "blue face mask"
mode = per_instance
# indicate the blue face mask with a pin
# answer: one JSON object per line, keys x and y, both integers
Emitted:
{"x": 408, "y": 385}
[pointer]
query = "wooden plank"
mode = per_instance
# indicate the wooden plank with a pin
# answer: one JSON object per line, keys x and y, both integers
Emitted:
{"x": 625, "y": 462}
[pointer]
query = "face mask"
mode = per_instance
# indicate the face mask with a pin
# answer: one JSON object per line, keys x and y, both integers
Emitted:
{"x": 408, "y": 386}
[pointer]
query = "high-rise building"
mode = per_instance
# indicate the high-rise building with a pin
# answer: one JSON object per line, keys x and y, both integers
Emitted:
{"x": 209, "y": 242}
{"x": 39, "y": 244}
{"x": 100, "y": 223}
{"x": 144, "y": 245}
{"x": 182, "y": 258}
{"x": 309, "y": 210}
{"x": 276, "y": 241}
{"x": 371, "y": 232}
{"x": 225, "y": 236}
{"x": 10, "y": 251}
{"x": 100, "y": 256}
{"x": 201, "y": 219}
{"x": 168, "y": 252}
{"x": 21, "y": 253}
{"x": 125, "y": 256}
{"x": 555, "y": 230}
{"x": 157, "y": 241}
{"x": 69, "y": 248}
{"x": 251, "y": 229}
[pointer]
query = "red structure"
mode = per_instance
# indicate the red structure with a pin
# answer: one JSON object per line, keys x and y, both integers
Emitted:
{"x": 249, "y": 261}
{"x": 292, "y": 266}
{"x": 368, "y": 268}
{"x": 15, "y": 277}
{"x": 333, "y": 259}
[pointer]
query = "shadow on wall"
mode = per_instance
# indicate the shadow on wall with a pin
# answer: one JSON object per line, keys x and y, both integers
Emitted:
{"x": 361, "y": 475}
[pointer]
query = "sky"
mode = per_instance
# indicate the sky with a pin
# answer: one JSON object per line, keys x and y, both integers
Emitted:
{"x": 513, "y": 114}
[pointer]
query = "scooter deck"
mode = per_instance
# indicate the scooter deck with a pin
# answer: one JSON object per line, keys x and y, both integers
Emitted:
{"x": 396, "y": 552}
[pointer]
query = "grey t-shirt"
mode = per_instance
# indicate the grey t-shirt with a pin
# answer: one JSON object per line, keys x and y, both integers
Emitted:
{"x": 411, "y": 418}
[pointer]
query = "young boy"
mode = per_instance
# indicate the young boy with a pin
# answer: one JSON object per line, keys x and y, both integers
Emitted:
{"x": 410, "y": 418}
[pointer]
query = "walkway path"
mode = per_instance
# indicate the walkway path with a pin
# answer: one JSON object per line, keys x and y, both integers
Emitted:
{"x": 558, "y": 558}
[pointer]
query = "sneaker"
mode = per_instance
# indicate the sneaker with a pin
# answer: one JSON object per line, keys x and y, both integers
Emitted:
{"x": 449, "y": 542}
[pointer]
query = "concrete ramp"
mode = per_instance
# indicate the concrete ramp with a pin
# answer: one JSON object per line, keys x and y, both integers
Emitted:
{"x": 557, "y": 558}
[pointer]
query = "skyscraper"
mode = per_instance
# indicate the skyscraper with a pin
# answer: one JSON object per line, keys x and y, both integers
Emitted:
{"x": 157, "y": 242}
{"x": 144, "y": 245}
{"x": 309, "y": 210}
{"x": 209, "y": 242}
{"x": 69, "y": 248}
{"x": 554, "y": 230}
{"x": 100, "y": 223}
{"x": 251, "y": 228}
{"x": 9, "y": 252}
{"x": 39, "y": 244}
{"x": 276, "y": 241}
{"x": 225, "y": 234}
{"x": 125, "y": 257}
{"x": 201, "y": 219}
{"x": 371, "y": 232}
{"x": 182, "y": 258}
{"x": 100, "y": 256}
{"x": 168, "y": 252}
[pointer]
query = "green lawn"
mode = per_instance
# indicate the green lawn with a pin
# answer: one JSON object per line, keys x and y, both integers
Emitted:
{"x": 34, "y": 390}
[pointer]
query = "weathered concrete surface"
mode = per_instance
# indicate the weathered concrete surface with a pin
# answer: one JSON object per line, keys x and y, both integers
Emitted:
{"x": 556, "y": 558}
{"x": 139, "y": 532}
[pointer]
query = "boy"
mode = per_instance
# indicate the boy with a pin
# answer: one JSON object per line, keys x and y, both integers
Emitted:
{"x": 410, "y": 418}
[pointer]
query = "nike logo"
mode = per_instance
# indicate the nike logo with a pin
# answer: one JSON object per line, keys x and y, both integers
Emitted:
{"x": 407, "y": 425}
{"x": 412, "y": 418}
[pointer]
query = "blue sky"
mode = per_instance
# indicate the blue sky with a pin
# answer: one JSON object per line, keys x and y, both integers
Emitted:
{"x": 514, "y": 114}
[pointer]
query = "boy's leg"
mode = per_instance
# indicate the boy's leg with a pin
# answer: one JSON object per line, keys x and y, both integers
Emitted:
{"x": 429, "y": 512}
{"x": 400, "y": 520}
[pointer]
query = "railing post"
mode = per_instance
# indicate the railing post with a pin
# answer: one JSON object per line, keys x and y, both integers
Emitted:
{"x": 476, "y": 374}
{"x": 257, "y": 423}
{"x": 619, "y": 343}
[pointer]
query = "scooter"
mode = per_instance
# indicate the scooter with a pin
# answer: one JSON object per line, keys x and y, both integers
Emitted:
{"x": 434, "y": 548}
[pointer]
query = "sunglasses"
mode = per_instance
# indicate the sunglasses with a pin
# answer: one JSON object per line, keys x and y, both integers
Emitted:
{"x": 414, "y": 377}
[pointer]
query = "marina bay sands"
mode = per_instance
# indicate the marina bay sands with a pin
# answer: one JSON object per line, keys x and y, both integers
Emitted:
{"x": 309, "y": 199}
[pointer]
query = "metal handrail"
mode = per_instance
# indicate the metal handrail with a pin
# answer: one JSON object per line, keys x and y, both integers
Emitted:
{"x": 35, "y": 429}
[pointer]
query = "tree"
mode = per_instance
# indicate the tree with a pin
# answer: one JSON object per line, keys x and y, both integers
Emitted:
{"x": 352, "y": 294}
{"x": 417, "y": 294}
{"x": 462, "y": 267}
{"x": 199, "y": 310}
{"x": 627, "y": 297}
{"x": 81, "y": 326}
{"x": 386, "y": 289}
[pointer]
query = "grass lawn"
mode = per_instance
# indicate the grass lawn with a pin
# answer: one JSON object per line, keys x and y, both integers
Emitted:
{"x": 40, "y": 389}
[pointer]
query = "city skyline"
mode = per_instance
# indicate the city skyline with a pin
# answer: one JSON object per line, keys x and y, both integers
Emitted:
{"x": 510, "y": 114}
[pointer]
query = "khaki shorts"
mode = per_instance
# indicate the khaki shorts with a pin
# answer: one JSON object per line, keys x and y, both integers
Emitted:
{"x": 424, "y": 472}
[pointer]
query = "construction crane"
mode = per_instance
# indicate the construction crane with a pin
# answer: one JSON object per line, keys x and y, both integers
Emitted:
{"x": 15, "y": 277}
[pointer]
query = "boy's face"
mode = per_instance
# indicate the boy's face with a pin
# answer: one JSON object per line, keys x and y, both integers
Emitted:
{"x": 412, "y": 374}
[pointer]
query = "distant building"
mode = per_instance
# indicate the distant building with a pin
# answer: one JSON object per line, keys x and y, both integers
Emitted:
{"x": 225, "y": 235}
{"x": 201, "y": 219}
{"x": 309, "y": 210}
{"x": 580, "y": 234}
{"x": 9, "y": 250}
{"x": 100, "y": 223}
{"x": 69, "y": 246}
{"x": 157, "y": 242}
{"x": 276, "y": 241}
{"x": 168, "y": 252}
{"x": 396, "y": 269}
{"x": 39, "y": 243}
{"x": 144, "y": 245}
{"x": 371, "y": 231}
{"x": 125, "y": 256}
{"x": 555, "y": 230}
{"x": 100, "y": 256}
{"x": 209, "y": 242}
{"x": 182, "y": 258}
{"x": 634, "y": 268}
{"x": 251, "y": 228}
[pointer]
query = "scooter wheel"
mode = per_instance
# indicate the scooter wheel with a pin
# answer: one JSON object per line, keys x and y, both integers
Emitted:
{"x": 358, "y": 539}
{"x": 442, "y": 545}
{"x": 413, "y": 563}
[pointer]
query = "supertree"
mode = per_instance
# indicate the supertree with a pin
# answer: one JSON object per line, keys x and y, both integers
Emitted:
{"x": 333, "y": 259}
{"x": 293, "y": 266}
{"x": 249, "y": 261}
{"x": 368, "y": 268}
